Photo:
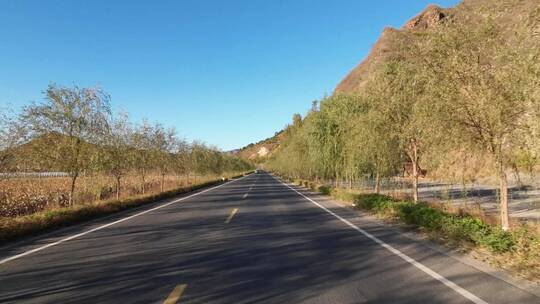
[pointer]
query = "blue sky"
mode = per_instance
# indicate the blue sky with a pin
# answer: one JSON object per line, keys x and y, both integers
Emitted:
{"x": 225, "y": 72}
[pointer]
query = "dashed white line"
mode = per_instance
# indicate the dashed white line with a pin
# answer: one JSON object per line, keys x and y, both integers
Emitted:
{"x": 175, "y": 295}
{"x": 251, "y": 187}
{"x": 233, "y": 212}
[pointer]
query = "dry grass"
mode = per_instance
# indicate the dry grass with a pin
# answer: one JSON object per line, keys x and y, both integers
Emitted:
{"x": 25, "y": 196}
{"x": 53, "y": 216}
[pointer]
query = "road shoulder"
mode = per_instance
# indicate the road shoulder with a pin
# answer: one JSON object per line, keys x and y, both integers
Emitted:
{"x": 411, "y": 234}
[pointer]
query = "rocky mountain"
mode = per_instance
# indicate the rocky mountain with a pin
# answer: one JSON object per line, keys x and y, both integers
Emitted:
{"x": 505, "y": 13}
{"x": 383, "y": 48}
{"x": 258, "y": 152}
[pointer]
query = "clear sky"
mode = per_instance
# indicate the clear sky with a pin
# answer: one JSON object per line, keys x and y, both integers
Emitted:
{"x": 228, "y": 72}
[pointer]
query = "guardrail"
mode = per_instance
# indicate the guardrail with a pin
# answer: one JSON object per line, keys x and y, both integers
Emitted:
{"x": 33, "y": 174}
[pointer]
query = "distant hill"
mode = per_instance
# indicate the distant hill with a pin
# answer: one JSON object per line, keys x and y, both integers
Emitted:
{"x": 258, "y": 152}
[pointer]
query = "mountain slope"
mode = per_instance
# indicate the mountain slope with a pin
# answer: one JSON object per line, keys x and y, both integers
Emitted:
{"x": 505, "y": 13}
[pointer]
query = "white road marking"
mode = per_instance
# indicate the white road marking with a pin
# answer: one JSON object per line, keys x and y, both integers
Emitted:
{"x": 175, "y": 295}
{"x": 18, "y": 256}
{"x": 251, "y": 187}
{"x": 465, "y": 293}
{"x": 233, "y": 212}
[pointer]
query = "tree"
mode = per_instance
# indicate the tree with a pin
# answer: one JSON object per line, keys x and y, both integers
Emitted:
{"x": 373, "y": 147}
{"x": 181, "y": 162}
{"x": 116, "y": 150}
{"x": 12, "y": 134}
{"x": 162, "y": 146}
{"x": 142, "y": 142}
{"x": 402, "y": 103}
{"x": 485, "y": 88}
{"x": 70, "y": 123}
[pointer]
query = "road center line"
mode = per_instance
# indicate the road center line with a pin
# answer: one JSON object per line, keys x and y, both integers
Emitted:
{"x": 18, "y": 256}
{"x": 465, "y": 293}
{"x": 175, "y": 294}
{"x": 233, "y": 212}
{"x": 251, "y": 187}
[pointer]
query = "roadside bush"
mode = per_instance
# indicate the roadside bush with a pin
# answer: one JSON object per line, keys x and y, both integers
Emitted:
{"x": 324, "y": 190}
{"x": 527, "y": 250}
{"x": 455, "y": 227}
{"x": 460, "y": 228}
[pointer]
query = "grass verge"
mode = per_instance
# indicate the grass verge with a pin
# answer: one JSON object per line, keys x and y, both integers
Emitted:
{"x": 517, "y": 250}
{"x": 13, "y": 228}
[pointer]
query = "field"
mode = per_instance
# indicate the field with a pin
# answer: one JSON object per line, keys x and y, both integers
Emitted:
{"x": 25, "y": 196}
{"x": 34, "y": 205}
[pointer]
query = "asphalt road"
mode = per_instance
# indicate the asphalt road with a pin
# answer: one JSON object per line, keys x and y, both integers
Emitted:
{"x": 252, "y": 240}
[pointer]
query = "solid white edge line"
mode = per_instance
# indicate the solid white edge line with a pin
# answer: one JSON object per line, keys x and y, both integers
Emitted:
{"x": 20, "y": 255}
{"x": 465, "y": 293}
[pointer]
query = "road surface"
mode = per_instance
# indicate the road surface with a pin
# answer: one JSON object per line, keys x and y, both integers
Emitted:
{"x": 252, "y": 240}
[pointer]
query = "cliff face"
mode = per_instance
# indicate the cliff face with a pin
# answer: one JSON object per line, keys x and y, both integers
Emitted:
{"x": 506, "y": 13}
{"x": 430, "y": 17}
{"x": 383, "y": 48}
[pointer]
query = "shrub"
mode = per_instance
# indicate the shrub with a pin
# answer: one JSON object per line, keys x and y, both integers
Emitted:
{"x": 324, "y": 190}
{"x": 460, "y": 228}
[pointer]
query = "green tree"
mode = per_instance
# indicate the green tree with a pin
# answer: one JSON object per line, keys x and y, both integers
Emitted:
{"x": 401, "y": 102}
{"x": 163, "y": 141}
{"x": 142, "y": 143}
{"x": 12, "y": 134}
{"x": 485, "y": 90}
{"x": 70, "y": 123}
{"x": 116, "y": 151}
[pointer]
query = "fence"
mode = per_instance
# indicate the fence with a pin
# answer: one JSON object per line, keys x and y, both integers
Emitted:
{"x": 524, "y": 202}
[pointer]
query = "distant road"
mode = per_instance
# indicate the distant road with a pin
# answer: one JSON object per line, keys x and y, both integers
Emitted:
{"x": 252, "y": 240}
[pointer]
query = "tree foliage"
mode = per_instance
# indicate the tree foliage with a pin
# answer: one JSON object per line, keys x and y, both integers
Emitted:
{"x": 73, "y": 131}
{"x": 461, "y": 90}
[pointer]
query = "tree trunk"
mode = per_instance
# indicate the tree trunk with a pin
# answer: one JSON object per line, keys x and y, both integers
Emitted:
{"x": 143, "y": 184}
{"x": 162, "y": 181}
{"x": 72, "y": 190}
{"x": 118, "y": 187}
{"x": 414, "y": 160}
{"x": 377, "y": 182}
{"x": 503, "y": 189}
